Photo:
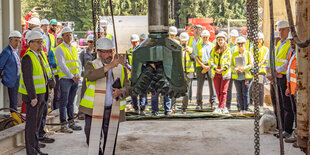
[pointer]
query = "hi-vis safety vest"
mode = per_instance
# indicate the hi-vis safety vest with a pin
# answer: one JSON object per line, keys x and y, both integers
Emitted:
{"x": 291, "y": 70}
{"x": 46, "y": 65}
{"x": 262, "y": 53}
{"x": 248, "y": 61}
{"x": 224, "y": 63}
{"x": 281, "y": 54}
{"x": 109, "y": 36}
{"x": 189, "y": 64}
{"x": 55, "y": 70}
{"x": 129, "y": 55}
{"x": 53, "y": 42}
{"x": 71, "y": 59}
{"x": 37, "y": 75}
{"x": 199, "y": 48}
{"x": 89, "y": 95}
{"x": 191, "y": 39}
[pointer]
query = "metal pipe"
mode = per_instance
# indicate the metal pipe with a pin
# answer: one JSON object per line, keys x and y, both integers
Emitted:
{"x": 158, "y": 16}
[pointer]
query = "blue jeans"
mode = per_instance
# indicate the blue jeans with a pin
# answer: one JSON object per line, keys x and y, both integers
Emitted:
{"x": 142, "y": 102}
{"x": 154, "y": 102}
{"x": 243, "y": 95}
{"x": 13, "y": 92}
{"x": 68, "y": 90}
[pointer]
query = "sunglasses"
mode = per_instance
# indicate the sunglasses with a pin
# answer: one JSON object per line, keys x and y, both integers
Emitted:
{"x": 91, "y": 42}
{"x": 240, "y": 44}
{"x": 54, "y": 25}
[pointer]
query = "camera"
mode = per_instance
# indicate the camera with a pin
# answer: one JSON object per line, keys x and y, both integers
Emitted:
{"x": 183, "y": 45}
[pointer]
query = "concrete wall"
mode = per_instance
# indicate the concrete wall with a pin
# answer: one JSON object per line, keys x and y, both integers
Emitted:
{"x": 10, "y": 19}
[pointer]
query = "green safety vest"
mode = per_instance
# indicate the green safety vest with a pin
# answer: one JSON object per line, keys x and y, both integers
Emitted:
{"x": 89, "y": 95}
{"x": 282, "y": 54}
{"x": 53, "y": 42}
{"x": 71, "y": 60}
{"x": 189, "y": 64}
{"x": 199, "y": 48}
{"x": 46, "y": 65}
{"x": 224, "y": 62}
{"x": 248, "y": 60}
{"x": 37, "y": 75}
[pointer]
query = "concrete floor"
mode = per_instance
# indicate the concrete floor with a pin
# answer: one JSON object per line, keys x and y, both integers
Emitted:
{"x": 190, "y": 137}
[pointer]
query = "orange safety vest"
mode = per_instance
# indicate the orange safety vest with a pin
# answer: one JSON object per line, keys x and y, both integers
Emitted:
{"x": 292, "y": 73}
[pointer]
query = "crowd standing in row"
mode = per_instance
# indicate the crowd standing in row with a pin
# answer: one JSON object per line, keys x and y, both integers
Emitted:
{"x": 48, "y": 61}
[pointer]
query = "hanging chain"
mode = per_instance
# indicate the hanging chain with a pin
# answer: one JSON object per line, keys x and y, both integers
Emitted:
{"x": 96, "y": 18}
{"x": 252, "y": 31}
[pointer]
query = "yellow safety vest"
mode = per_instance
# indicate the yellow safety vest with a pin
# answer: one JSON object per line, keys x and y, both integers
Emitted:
{"x": 109, "y": 36}
{"x": 52, "y": 39}
{"x": 281, "y": 56}
{"x": 89, "y": 95}
{"x": 224, "y": 62}
{"x": 46, "y": 65}
{"x": 189, "y": 64}
{"x": 37, "y": 75}
{"x": 248, "y": 60}
{"x": 72, "y": 60}
{"x": 129, "y": 55}
{"x": 191, "y": 39}
{"x": 55, "y": 70}
{"x": 199, "y": 48}
{"x": 262, "y": 52}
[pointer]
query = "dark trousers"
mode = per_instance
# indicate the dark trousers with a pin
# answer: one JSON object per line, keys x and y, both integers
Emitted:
{"x": 285, "y": 103}
{"x": 142, "y": 102}
{"x": 43, "y": 120}
{"x": 56, "y": 94}
{"x": 200, "y": 82}
{"x": 13, "y": 93}
{"x": 229, "y": 94}
{"x": 185, "y": 98}
{"x": 34, "y": 115}
{"x": 154, "y": 102}
{"x": 293, "y": 102}
{"x": 243, "y": 89}
{"x": 105, "y": 125}
{"x": 68, "y": 90}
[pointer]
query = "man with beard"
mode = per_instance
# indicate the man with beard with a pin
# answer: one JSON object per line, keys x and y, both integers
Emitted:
{"x": 53, "y": 26}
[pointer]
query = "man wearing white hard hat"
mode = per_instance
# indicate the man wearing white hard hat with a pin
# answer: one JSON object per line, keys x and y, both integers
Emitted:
{"x": 234, "y": 34}
{"x": 173, "y": 31}
{"x": 49, "y": 39}
{"x": 104, "y": 25}
{"x": 202, "y": 59}
{"x": 10, "y": 68}
{"x": 33, "y": 22}
{"x": 134, "y": 39}
{"x": 142, "y": 37}
{"x": 69, "y": 76}
{"x": 33, "y": 87}
{"x": 281, "y": 62}
{"x": 194, "y": 40}
{"x": 101, "y": 74}
{"x": 53, "y": 62}
{"x": 241, "y": 65}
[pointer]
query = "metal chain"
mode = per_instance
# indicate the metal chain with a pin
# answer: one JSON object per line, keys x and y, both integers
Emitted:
{"x": 252, "y": 30}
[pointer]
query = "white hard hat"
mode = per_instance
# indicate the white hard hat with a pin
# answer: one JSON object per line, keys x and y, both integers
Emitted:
{"x": 34, "y": 35}
{"x": 104, "y": 23}
{"x": 59, "y": 36}
{"x": 104, "y": 44}
{"x": 173, "y": 30}
{"x": 59, "y": 24}
{"x": 27, "y": 35}
{"x": 224, "y": 33}
{"x": 282, "y": 24}
{"x": 234, "y": 33}
{"x": 198, "y": 26}
{"x": 184, "y": 36}
{"x": 15, "y": 34}
{"x": 276, "y": 34}
{"x": 205, "y": 33}
{"x": 38, "y": 30}
{"x": 134, "y": 37}
{"x": 90, "y": 37}
{"x": 241, "y": 40}
{"x": 261, "y": 36}
{"x": 142, "y": 36}
{"x": 290, "y": 36}
{"x": 66, "y": 30}
{"x": 221, "y": 35}
{"x": 34, "y": 21}
{"x": 44, "y": 22}
{"x": 101, "y": 29}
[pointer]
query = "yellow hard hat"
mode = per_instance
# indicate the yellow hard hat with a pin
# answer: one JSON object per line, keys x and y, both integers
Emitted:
{"x": 35, "y": 14}
{"x": 23, "y": 22}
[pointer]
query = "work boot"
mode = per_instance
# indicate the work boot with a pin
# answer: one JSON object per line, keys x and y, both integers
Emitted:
{"x": 41, "y": 145}
{"x": 74, "y": 127}
{"x": 295, "y": 145}
{"x": 64, "y": 129}
{"x": 142, "y": 113}
{"x": 199, "y": 107}
{"x": 183, "y": 111}
{"x": 45, "y": 139}
{"x": 291, "y": 139}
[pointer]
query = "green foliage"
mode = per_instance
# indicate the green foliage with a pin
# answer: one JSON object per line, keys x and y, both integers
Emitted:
{"x": 80, "y": 11}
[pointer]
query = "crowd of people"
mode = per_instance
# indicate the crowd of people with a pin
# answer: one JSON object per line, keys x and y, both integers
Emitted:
{"x": 48, "y": 64}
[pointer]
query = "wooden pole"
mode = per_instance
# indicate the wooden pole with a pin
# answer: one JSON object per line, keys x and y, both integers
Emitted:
{"x": 303, "y": 74}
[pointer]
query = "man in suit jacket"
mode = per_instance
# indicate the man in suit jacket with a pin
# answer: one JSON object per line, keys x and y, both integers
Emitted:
{"x": 10, "y": 67}
{"x": 33, "y": 86}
